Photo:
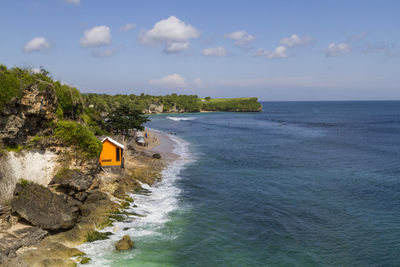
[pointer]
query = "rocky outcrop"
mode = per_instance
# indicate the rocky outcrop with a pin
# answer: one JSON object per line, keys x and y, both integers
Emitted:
{"x": 124, "y": 244}
{"x": 39, "y": 206}
{"x": 28, "y": 115}
{"x": 74, "y": 180}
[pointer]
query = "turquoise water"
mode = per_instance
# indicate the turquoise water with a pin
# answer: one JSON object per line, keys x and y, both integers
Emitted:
{"x": 300, "y": 184}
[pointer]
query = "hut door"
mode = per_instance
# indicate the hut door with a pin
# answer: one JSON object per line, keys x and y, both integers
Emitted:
{"x": 118, "y": 154}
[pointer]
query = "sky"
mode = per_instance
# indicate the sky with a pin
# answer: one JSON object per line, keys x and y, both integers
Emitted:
{"x": 273, "y": 50}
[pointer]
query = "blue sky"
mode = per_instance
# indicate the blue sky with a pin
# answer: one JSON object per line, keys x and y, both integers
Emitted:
{"x": 275, "y": 50}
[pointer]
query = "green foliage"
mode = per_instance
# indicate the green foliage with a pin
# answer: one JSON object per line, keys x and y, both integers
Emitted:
{"x": 123, "y": 118}
{"x": 232, "y": 104}
{"x": 16, "y": 148}
{"x": 74, "y": 133}
{"x": 94, "y": 235}
{"x": 85, "y": 260}
{"x": 70, "y": 103}
{"x": 23, "y": 182}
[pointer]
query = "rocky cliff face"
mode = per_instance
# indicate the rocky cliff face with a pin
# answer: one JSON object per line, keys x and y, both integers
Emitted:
{"x": 28, "y": 115}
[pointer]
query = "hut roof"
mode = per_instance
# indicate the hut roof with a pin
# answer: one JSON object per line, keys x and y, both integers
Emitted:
{"x": 113, "y": 141}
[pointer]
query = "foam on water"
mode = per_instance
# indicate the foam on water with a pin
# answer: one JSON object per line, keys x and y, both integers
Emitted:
{"x": 181, "y": 118}
{"x": 155, "y": 206}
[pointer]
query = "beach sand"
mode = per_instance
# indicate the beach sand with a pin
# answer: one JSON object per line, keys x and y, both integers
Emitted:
{"x": 159, "y": 142}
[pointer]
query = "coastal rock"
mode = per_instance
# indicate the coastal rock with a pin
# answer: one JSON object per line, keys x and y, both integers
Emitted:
{"x": 28, "y": 115}
{"x": 157, "y": 156}
{"x": 124, "y": 244}
{"x": 39, "y": 206}
{"x": 72, "y": 179}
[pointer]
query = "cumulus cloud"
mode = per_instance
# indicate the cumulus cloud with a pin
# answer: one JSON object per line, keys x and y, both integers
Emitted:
{"x": 295, "y": 40}
{"x": 216, "y": 51}
{"x": 103, "y": 53}
{"x": 36, "y": 44}
{"x": 96, "y": 36}
{"x": 337, "y": 49}
{"x": 240, "y": 37}
{"x": 279, "y": 52}
{"x": 75, "y": 2}
{"x": 173, "y": 80}
{"x": 175, "y": 47}
{"x": 127, "y": 27}
{"x": 172, "y": 32}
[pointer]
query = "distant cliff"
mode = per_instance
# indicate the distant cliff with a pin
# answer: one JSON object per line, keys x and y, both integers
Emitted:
{"x": 171, "y": 103}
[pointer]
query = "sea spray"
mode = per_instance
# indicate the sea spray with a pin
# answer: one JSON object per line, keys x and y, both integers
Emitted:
{"x": 153, "y": 210}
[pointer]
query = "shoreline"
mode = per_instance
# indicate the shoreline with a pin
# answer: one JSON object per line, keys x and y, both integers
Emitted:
{"x": 150, "y": 209}
{"x": 113, "y": 196}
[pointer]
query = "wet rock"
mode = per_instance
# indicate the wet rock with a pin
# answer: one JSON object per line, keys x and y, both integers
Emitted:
{"x": 124, "y": 244}
{"x": 39, "y": 206}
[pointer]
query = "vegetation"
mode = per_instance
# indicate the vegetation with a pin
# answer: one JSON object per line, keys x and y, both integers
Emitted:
{"x": 85, "y": 260}
{"x": 94, "y": 235}
{"x": 79, "y": 135}
{"x": 124, "y": 118}
{"x": 231, "y": 104}
{"x": 23, "y": 182}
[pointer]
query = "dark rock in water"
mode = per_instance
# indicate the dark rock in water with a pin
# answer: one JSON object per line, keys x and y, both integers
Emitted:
{"x": 39, "y": 206}
{"x": 72, "y": 179}
{"x": 124, "y": 244}
{"x": 157, "y": 156}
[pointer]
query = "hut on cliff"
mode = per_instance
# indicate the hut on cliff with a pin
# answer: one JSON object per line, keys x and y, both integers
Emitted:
{"x": 112, "y": 154}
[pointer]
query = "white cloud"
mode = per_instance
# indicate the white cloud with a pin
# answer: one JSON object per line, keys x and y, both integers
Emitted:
{"x": 36, "y": 44}
{"x": 216, "y": 51}
{"x": 240, "y": 37}
{"x": 96, "y": 36}
{"x": 175, "y": 47}
{"x": 279, "y": 52}
{"x": 103, "y": 53}
{"x": 75, "y": 2}
{"x": 173, "y": 80}
{"x": 294, "y": 40}
{"x": 337, "y": 49}
{"x": 127, "y": 27}
{"x": 172, "y": 32}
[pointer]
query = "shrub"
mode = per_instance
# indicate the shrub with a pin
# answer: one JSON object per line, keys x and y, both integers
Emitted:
{"x": 74, "y": 133}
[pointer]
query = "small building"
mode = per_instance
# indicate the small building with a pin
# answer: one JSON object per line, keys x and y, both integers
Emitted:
{"x": 112, "y": 153}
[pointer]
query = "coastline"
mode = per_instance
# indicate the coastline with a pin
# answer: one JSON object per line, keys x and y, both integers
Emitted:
{"x": 113, "y": 197}
{"x": 149, "y": 210}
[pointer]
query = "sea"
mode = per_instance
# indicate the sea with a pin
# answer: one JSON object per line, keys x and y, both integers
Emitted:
{"x": 298, "y": 184}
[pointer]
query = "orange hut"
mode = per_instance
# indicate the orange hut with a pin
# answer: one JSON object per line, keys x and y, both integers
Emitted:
{"x": 112, "y": 153}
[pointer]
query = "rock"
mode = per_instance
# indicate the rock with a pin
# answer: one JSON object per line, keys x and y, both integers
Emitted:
{"x": 39, "y": 206}
{"x": 157, "y": 156}
{"x": 72, "y": 179}
{"x": 28, "y": 115}
{"x": 124, "y": 244}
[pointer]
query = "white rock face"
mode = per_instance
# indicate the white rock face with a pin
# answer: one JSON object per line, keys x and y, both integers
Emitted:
{"x": 37, "y": 167}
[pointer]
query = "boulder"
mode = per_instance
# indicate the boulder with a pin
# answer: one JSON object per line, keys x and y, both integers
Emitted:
{"x": 124, "y": 244}
{"x": 157, "y": 156}
{"x": 39, "y": 206}
{"x": 72, "y": 179}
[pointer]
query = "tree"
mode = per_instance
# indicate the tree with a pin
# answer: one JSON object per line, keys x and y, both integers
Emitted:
{"x": 124, "y": 118}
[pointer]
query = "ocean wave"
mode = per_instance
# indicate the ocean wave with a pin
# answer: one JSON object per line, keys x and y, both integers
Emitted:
{"x": 155, "y": 207}
{"x": 182, "y": 118}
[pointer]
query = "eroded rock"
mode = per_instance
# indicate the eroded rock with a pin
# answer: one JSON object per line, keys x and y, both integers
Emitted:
{"x": 124, "y": 244}
{"x": 39, "y": 206}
